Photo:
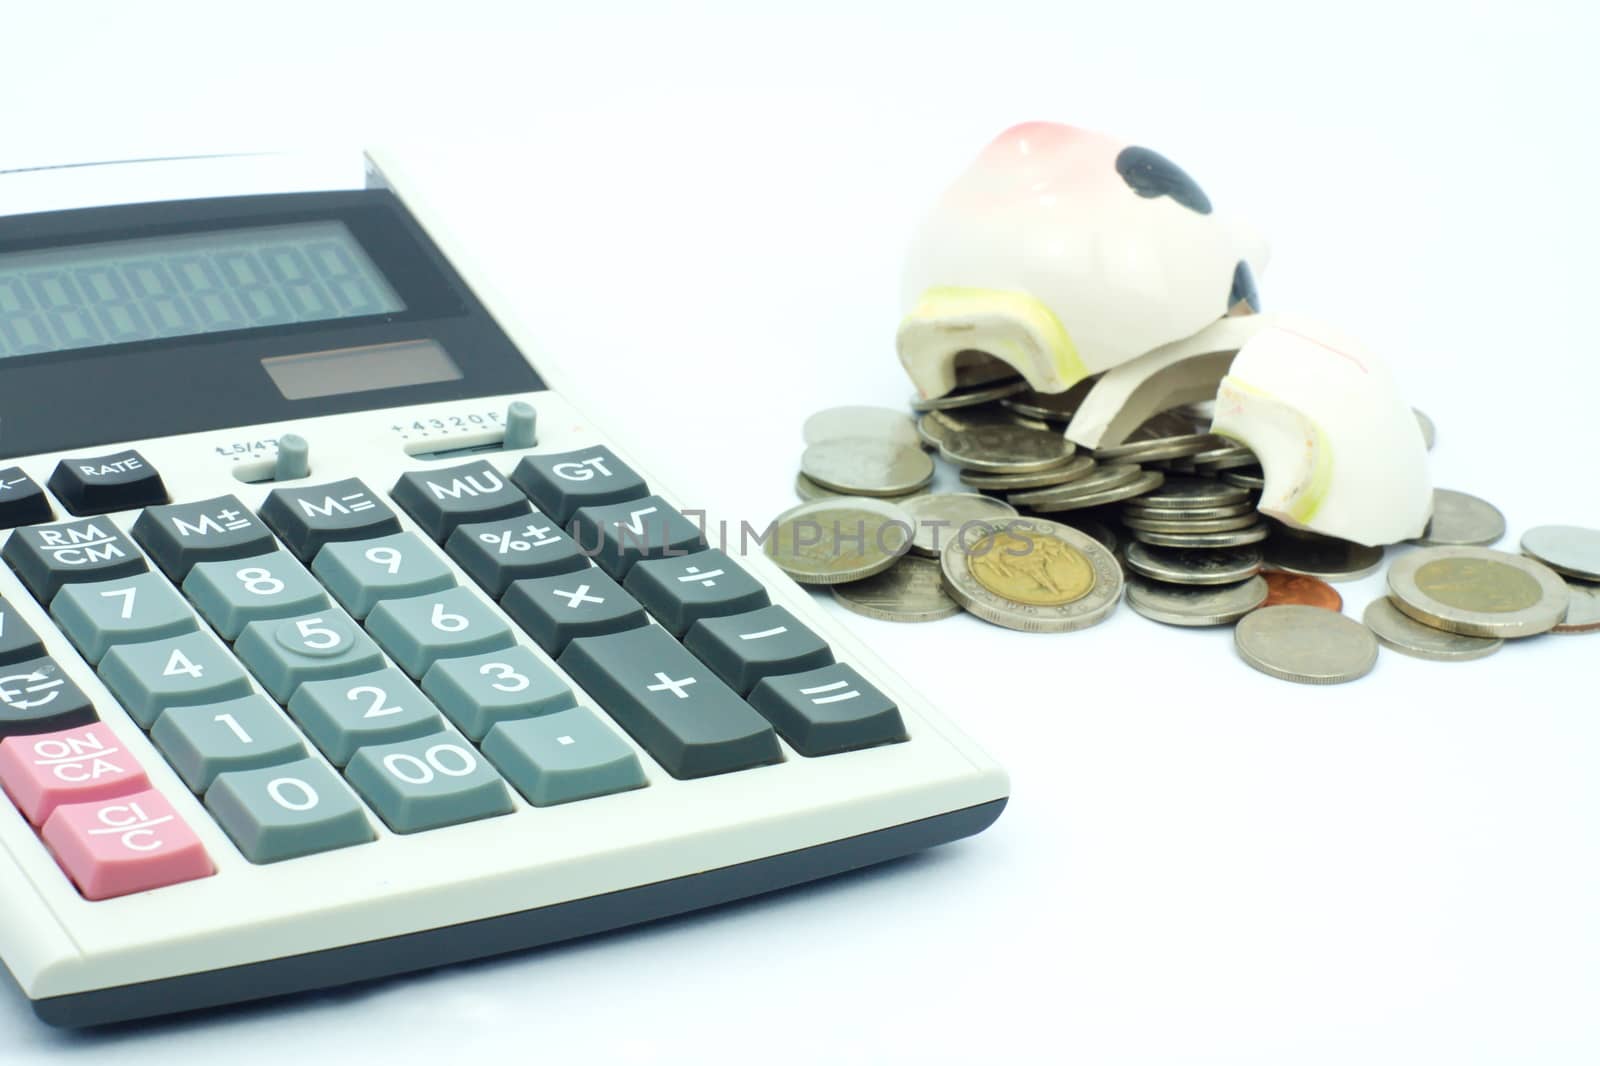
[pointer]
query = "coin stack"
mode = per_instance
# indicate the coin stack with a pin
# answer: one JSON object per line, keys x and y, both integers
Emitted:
{"x": 1042, "y": 542}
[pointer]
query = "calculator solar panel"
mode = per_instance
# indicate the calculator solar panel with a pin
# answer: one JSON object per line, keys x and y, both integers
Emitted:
{"x": 335, "y": 644}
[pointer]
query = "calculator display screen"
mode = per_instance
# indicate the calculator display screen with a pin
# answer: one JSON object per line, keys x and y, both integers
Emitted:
{"x": 89, "y": 295}
{"x": 343, "y": 371}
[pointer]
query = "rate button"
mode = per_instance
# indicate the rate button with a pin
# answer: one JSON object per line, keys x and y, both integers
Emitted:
{"x": 101, "y": 484}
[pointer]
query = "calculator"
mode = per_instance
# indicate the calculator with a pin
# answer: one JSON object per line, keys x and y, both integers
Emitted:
{"x": 336, "y": 644}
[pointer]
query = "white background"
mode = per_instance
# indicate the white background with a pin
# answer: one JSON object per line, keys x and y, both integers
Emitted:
{"x": 1200, "y": 864}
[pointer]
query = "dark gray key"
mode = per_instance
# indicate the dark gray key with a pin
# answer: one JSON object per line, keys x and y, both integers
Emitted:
{"x": 181, "y": 534}
{"x": 18, "y": 641}
{"x": 441, "y": 500}
{"x": 686, "y": 588}
{"x": 744, "y": 648}
{"x": 307, "y": 518}
{"x": 92, "y": 549}
{"x": 621, "y": 534}
{"x": 37, "y": 697}
{"x": 22, "y": 499}
{"x": 830, "y": 710}
{"x": 101, "y": 484}
{"x": 689, "y": 722}
{"x": 560, "y": 484}
{"x": 495, "y": 554}
{"x": 555, "y": 610}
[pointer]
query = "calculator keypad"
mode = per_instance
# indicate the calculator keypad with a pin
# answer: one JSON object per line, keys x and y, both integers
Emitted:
{"x": 398, "y": 692}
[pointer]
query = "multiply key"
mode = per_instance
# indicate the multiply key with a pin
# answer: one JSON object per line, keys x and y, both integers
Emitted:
{"x": 307, "y": 518}
{"x": 93, "y": 549}
{"x": 182, "y": 534}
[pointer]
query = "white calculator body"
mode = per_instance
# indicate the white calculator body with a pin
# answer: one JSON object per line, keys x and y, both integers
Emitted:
{"x": 335, "y": 643}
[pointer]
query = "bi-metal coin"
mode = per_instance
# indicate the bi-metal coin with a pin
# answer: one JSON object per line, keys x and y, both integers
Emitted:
{"x": 1195, "y": 605}
{"x": 912, "y": 590}
{"x": 1570, "y": 550}
{"x": 1189, "y": 566}
{"x": 1410, "y": 637}
{"x": 1479, "y": 592}
{"x": 1306, "y": 644}
{"x": 1033, "y": 575}
{"x": 829, "y": 541}
{"x": 864, "y": 467}
{"x": 1460, "y": 519}
{"x": 941, "y": 517}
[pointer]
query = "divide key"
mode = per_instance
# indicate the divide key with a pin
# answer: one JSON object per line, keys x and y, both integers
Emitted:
{"x": 104, "y": 483}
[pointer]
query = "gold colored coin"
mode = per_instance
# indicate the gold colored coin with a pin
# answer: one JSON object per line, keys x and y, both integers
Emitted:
{"x": 1040, "y": 571}
{"x": 1479, "y": 585}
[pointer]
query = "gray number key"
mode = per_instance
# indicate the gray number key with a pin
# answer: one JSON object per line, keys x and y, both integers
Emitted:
{"x": 419, "y": 632}
{"x": 283, "y": 812}
{"x": 441, "y": 500}
{"x": 684, "y": 589}
{"x": 834, "y": 709}
{"x": 554, "y": 610}
{"x": 230, "y": 595}
{"x": 47, "y": 557}
{"x": 125, "y": 611}
{"x": 481, "y": 690}
{"x": 344, "y": 715}
{"x": 181, "y": 534}
{"x": 173, "y": 672}
{"x": 428, "y": 783}
{"x": 495, "y": 554}
{"x": 244, "y": 734}
{"x": 561, "y": 757}
{"x": 362, "y": 574}
{"x": 286, "y": 654}
{"x": 744, "y": 648}
{"x": 622, "y": 534}
{"x": 675, "y": 707}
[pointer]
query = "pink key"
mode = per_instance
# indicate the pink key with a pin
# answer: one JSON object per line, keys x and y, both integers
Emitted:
{"x": 128, "y": 844}
{"x": 43, "y": 771}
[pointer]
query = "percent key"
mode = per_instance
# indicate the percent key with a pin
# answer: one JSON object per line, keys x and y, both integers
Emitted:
{"x": 497, "y": 553}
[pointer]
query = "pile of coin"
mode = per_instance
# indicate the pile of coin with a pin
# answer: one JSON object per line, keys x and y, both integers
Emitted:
{"x": 1043, "y": 539}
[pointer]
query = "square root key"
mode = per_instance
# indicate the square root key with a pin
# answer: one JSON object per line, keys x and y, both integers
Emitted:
{"x": 621, "y": 534}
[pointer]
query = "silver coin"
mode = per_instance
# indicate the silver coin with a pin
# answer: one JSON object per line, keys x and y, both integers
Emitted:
{"x": 1309, "y": 645}
{"x": 1190, "y": 566}
{"x": 1231, "y": 455}
{"x": 871, "y": 423}
{"x": 1479, "y": 592}
{"x": 934, "y": 426}
{"x": 807, "y": 489}
{"x": 970, "y": 395}
{"x": 1103, "y": 477}
{"x": 1098, "y": 530}
{"x": 1188, "y": 524}
{"x": 1140, "y": 508}
{"x": 1144, "y": 482}
{"x": 941, "y": 517}
{"x": 867, "y": 467}
{"x": 1410, "y": 637}
{"x": 1244, "y": 479}
{"x": 1006, "y": 449}
{"x": 1462, "y": 519}
{"x": 1145, "y": 451}
{"x": 1424, "y": 423}
{"x": 1329, "y": 558}
{"x": 1042, "y": 577}
{"x": 1196, "y": 605}
{"x": 1583, "y": 612}
{"x": 1192, "y": 492}
{"x": 1570, "y": 550}
{"x": 912, "y": 590}
{"x": 1050, "y": 406}
{"x": 1079, "y": 466}
{"x": 825, "y": 542}
{"x": 1233, "y": 538}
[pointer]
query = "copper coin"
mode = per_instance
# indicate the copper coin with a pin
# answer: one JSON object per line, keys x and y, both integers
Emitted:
{"x": 1303, "y": 589}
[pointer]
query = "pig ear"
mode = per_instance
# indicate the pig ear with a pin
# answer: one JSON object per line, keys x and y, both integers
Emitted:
{"x": 1151, "y": 175}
